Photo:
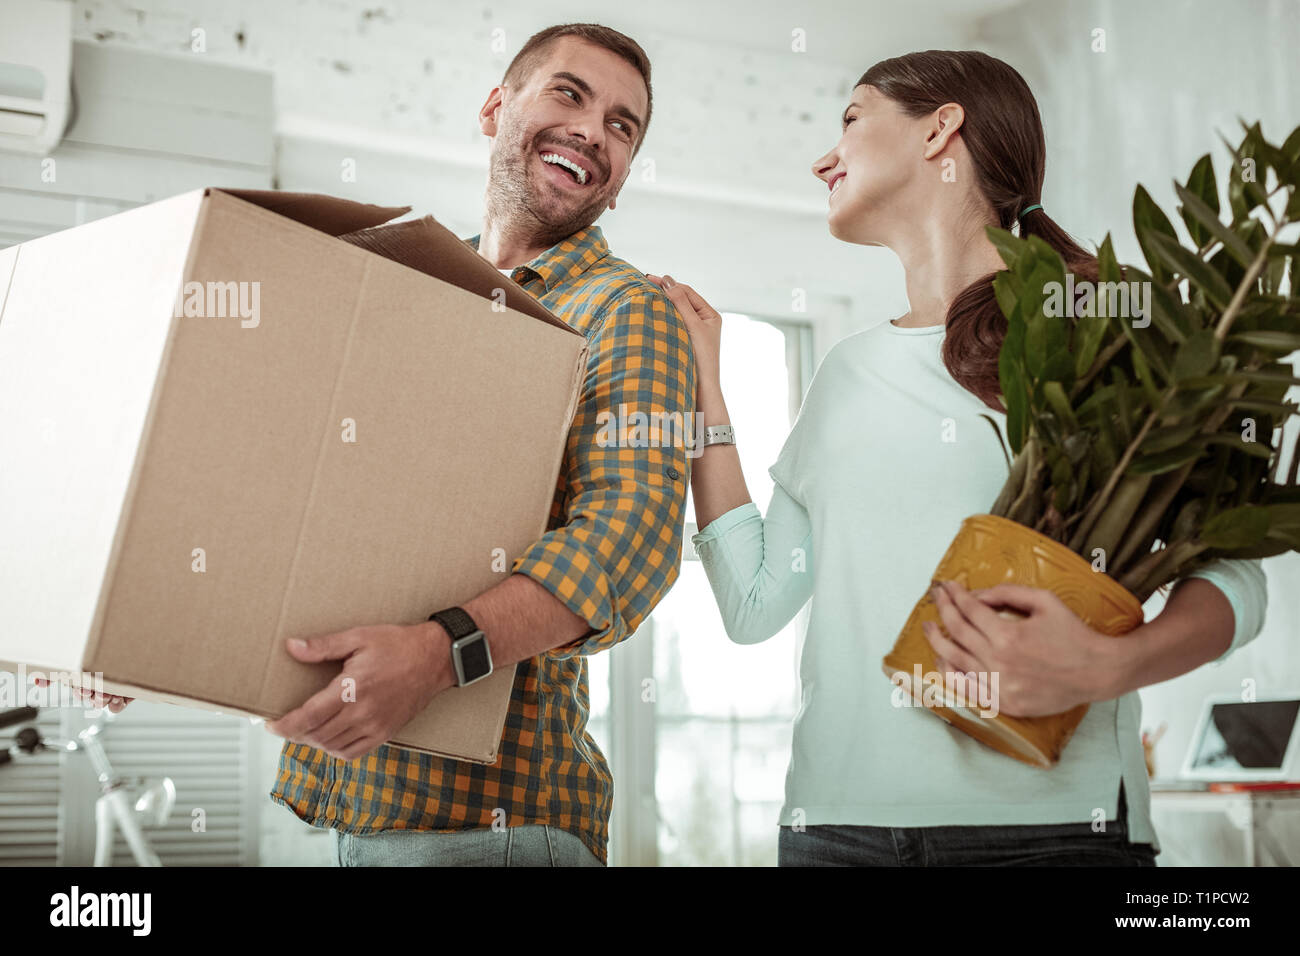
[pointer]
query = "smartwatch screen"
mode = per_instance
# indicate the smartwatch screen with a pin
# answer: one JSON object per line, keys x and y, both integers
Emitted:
{"x": 474, "y": 658}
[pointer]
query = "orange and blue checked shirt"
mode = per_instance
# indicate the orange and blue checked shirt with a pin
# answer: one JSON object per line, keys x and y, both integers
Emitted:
{"x": 613, "y": 549}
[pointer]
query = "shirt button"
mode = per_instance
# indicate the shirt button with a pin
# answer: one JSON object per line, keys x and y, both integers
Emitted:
{"x": 674, "y": 474}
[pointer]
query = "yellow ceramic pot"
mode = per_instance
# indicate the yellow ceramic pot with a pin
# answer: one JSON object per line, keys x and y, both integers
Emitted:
{"x": 987, "y": 551}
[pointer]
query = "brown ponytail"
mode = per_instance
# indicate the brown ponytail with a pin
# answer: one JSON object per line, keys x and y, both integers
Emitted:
{"x": 1003, "y": 133}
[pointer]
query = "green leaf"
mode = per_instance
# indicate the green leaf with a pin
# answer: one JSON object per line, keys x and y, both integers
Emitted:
{"x": 1163, "y": 439}
{"x": 1143, "y": 372}
{"x": 1202, "y": 193}
{"x": 1292, "y": 145}
{"x": 1056, "y": 398}
{"x": 1203, "y": 224}
{"x": 1089, "y": 334}
{"x": 1014, "y": 396}
{"x": 1036, "y": 333}
{"x": 1283, "y": 516}
{"x": 1261, "y": 378}
{"x": 1126, "y": 420}
{"x": 1284, "y": 342}
{"x": 1236, "y": 528}
{"x": 1164, "y": 461}
{"x": 1201, "y": 182}
{"x": 1149, "y": 221}
{"x": 1164, "y": 307}
{"x": 1193, "y": 401}
{"x": 1258, "y": 449}
{"x": 1197, "y": 271}
{"x": 1006, "y": 289}
{"x": 1284, "y": 409}
{"x": 1197, "y": 356}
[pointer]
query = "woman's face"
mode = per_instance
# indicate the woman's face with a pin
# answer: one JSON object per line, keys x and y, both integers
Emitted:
{"x": 870, "y": 168}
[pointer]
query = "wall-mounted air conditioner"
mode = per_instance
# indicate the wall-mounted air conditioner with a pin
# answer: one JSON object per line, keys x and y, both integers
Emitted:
{"x": 35, "y": 73}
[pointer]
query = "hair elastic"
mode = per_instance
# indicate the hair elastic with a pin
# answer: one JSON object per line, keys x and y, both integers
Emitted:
{"x": 1028, "y": 209}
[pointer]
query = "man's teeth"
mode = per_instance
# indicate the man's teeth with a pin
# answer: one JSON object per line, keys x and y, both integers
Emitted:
{"x": 836, "y": 185}
{"x": 559, "y": 160}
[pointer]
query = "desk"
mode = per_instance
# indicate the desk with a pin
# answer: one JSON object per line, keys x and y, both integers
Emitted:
{"x": 1267, "y": 823}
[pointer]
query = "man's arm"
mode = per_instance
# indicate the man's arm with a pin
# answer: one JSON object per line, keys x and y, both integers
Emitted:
{"x": 619, "y": 549}
{"x": 584, "y": 585}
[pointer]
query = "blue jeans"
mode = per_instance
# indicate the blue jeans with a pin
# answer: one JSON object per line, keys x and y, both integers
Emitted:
{"x": 1065, "y": 844}
{"x": 534, "y": 844}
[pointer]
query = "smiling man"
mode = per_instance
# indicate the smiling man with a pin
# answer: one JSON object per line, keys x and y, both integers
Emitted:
{"x": 565, "y": 124}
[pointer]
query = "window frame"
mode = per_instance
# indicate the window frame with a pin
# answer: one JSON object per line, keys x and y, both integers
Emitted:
{"x": 632, "y": 718}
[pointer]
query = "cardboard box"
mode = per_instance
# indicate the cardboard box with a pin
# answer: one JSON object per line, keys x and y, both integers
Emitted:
{"x": 350, "y": 433}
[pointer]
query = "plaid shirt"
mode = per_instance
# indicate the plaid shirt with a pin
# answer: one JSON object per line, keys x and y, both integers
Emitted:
{"x": 613, "y": 549}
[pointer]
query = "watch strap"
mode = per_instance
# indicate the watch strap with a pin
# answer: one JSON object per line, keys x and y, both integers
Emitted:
{"x": 455, "y": 621}
{"x": 719, "y": 435}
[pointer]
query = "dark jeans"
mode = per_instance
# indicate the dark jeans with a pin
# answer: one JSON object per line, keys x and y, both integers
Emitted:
{"x": 1066, "y": 844}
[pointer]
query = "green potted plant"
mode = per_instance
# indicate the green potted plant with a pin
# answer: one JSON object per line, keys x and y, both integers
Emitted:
{"x": 1141, "y": 408}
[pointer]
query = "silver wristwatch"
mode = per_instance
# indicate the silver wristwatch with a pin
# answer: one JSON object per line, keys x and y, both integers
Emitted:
{"x": 719, "y": 435}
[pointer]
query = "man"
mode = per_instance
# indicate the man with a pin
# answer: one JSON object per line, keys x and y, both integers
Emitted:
{"x": 565, "y": 124}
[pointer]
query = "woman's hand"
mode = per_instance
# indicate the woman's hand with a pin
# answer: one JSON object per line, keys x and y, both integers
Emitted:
{"x": 704, "y": 325}
{"x": 1046, "y": 662}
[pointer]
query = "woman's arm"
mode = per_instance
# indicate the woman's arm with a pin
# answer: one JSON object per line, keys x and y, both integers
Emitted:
{"x": 1050, "y": 660}
{"x": 760, "y": 568}
{"x": 1208, "y": 616}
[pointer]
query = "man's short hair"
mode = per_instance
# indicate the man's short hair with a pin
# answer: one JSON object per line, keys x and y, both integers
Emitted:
{"x": 528, "y": 58}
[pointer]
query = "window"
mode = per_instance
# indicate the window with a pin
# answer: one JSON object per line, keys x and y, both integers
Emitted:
{"x": 697, "y": 730}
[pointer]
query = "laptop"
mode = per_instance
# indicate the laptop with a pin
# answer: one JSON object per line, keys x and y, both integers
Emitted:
{"x": 1238, "y": 741}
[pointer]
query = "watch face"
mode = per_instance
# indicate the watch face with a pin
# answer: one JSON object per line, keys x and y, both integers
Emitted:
{"x": 474, "y": 660}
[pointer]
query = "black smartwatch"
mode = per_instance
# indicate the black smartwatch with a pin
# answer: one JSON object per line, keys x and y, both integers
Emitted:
{"x": 470, "y": 655}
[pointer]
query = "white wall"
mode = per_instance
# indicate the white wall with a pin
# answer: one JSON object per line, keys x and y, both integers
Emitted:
{"x": 1172, "y": 77}
{"x": 722, "y": 195}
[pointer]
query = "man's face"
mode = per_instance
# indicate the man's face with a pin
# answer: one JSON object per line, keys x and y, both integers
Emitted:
{"x": 562, "y": 142}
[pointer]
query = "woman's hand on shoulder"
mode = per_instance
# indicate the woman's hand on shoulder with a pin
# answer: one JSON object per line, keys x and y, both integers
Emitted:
{"x": 704, "y": 325}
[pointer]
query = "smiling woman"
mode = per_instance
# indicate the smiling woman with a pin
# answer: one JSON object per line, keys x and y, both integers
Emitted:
{"x": 890, "y": 452}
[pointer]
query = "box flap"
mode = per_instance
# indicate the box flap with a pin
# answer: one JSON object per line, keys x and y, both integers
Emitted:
{"x": 329, "y": 214}
{"x": 428, "y": 246}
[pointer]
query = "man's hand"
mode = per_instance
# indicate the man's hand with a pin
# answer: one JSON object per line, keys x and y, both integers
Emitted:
{"x": 390, "y": 673}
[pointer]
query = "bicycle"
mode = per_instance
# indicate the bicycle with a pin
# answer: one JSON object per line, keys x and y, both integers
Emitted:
{"x": 114, "y": 806}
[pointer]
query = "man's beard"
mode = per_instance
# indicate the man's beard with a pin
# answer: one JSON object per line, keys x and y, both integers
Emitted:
{"x": 515, "y": 202}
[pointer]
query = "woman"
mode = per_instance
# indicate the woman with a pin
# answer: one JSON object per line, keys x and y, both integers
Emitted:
{"x": 887, "y": 457}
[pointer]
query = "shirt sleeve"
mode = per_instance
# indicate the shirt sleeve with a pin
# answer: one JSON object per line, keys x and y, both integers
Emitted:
{"x": 627, "y": 468}
{"x": 760, "y": 569}
{"x": 1243, "y": 584}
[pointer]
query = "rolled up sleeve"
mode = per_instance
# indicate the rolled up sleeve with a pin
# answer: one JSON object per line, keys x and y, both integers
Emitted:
{"x": 1243, "y": 584}
{"x": 760, "y": 569}
{"x": 627, "y": 468}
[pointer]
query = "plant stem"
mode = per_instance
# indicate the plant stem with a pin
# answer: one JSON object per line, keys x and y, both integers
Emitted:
{"x": 1011, "y": 488}
{"x": 1143, "y": 529}
{"x": 1239, "y": 297}
{"x": 1098, "y": 505}
{"x": 1024, "y": 500}
{"x": 1159, "y": 567}
{"x": 1106, "y": 533}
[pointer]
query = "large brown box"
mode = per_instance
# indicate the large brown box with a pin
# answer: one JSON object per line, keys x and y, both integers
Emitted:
{"x": 134, "y": 432}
